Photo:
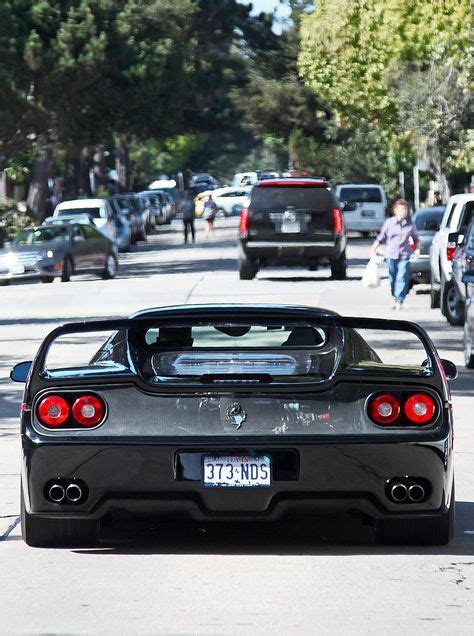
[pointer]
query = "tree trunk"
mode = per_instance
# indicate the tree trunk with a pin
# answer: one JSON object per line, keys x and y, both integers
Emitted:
{"x": 72, "y": 175}
{"x": 85, "y": 164}
{"x": 38, "y": 191}
{"x": 122, "y": 164}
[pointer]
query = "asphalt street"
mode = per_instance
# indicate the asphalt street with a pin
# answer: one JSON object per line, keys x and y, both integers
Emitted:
{"x": 329, "y": 579}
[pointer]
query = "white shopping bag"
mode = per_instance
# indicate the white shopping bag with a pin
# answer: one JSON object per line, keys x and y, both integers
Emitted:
{"x": 371, "y": 276}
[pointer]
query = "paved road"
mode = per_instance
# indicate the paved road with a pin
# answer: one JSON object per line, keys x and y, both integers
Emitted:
{"x": 336, "y": 580}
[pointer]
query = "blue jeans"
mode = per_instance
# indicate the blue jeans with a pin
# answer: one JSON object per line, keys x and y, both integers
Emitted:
{"x": 399, "y": 274}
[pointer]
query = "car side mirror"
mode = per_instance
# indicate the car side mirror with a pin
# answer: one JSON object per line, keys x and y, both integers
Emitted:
{"x": 453, "y": 237}
{"x": 449, "y": 369}
{"x": 348, "y": 206}
{"x": 20, "y": 371}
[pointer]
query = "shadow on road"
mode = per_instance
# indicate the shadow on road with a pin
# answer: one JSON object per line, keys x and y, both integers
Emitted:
{"x": 335, "y": 536}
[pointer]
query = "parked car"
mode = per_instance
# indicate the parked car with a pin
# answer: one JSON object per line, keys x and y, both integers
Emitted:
{"x": 152, "y": 202}
{"x": 225, "y": 199}
{"x": 131, "y": 206}
{"x": 444, "y": 294}
{"x": 232, "y": 414}
{"x": 123, "y": 223}
{"x": 292, "y": 222}
{"x": 463, "y": 277}
{"x": 427, "y": 222}
{"x": 202, "y": 182}
{"x": 364, "y": 205}
{"x": 58, "y": 249}
{"x": 98, "y": 210}
{"x": 245, "y": 179}
{"x": 162, "y": 206}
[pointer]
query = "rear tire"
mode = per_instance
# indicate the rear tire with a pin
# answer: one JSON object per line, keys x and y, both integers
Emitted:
{"x": 4, "y": 283}
{"x": 247, "y": 267}
{"x": 453, "y": 307}
{"x": 339, "y": 267}
{"x": 42, "y": 532}
{"x": 68, "y": 269}
{"x": 468, "y": 352}
{"x": 111, "y": 266}
{"x": 434, "y": 297}
{"x": 437, "y": 531}
{"x": 47, "y": 279}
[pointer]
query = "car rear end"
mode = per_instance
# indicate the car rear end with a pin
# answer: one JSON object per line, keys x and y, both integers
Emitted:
{"x": 291, "y": 222}
{"x": 427, "y": 222}
{"x": 204, "y": 417}
{"x": 366, "y": 206}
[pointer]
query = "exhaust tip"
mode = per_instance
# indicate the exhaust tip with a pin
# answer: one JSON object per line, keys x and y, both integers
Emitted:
{"x": 56, "y": 493}
{"x": 73, "y": 492}
{"x": 399, "y": 492}
{"x": 416, "y": 493}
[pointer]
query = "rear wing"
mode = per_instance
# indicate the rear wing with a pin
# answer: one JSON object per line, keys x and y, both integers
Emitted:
{"x": 349, "y": 348}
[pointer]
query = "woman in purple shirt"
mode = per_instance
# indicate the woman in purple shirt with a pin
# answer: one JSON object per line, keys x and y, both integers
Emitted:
{"x": 395, "y": 235}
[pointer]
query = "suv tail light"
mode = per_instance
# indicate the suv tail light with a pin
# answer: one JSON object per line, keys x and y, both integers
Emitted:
{"x": 337, "y": 221}
{"x": 71, "y": 410}
{"x": 384, "y": 409}
{"x": 88, "y": 410}
{"x": 420, "y": 408}
{"x": 244, "y": 223}
{"x": 450, "y": 249}
{"x": 53, "y": 411}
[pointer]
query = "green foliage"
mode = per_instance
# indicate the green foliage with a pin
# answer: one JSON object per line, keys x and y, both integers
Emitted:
{"x": 12, "y": 221}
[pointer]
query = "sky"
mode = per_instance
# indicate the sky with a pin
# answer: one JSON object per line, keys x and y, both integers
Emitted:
{"x": 267, "y": 6}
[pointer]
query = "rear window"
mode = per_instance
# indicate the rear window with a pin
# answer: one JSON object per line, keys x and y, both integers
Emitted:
{"x": 361, "y": 195}
{"x": 428, "y": 221}
{"x": 300, "y": 198}
{"x": 50, "y": 234}
{"x": 94, "y": 213}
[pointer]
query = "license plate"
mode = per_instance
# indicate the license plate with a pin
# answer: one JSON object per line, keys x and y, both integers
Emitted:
{"x": 368, "y": 213}
{"x": 237, "y": 472}
{"x": 17, "y": 269}
{"x": 288, "y": 227}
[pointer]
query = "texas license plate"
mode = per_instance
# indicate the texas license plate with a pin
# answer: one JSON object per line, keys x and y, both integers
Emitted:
{"x": 237, "y": 471}
{"x": 290, "y": 227}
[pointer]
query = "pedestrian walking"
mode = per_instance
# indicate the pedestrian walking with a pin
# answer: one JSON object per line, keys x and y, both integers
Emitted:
{"x": 188, "y": 212}
{"x": 209, "y": 214}
{"x": 400, "y": 238}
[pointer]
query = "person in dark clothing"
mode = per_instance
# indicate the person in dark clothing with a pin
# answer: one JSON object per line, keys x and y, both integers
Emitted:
{"x": 188, "y": 212}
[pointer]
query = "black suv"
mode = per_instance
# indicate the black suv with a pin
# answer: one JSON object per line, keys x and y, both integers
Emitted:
{"x": 292, "y": 222}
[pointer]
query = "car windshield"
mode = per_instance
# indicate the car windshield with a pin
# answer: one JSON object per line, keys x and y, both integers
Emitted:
{"x": 428, "y": 221}
{"x": 361, "y": 195}
{"x": 93, "y": 212}
{"x": 300, "y": 198}
{"x": 50, "y": 234}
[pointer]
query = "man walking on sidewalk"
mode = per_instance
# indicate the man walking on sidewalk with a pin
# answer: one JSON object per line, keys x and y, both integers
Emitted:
{"x": 188, "y": 212}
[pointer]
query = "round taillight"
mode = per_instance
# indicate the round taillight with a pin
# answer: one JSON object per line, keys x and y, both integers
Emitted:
{"x": 420, "y": 408}
{"x": 384, "y": 409}
{"x": 88, "y": 410}
{"x": 53, "y": 411}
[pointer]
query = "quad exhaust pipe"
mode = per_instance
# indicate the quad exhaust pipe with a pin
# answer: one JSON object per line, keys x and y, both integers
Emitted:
{"x": 66, "y": 492}
{"x": 407, "y": 491}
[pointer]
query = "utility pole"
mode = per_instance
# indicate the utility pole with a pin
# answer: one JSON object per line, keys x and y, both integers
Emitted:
{"x": 401, "y": 183}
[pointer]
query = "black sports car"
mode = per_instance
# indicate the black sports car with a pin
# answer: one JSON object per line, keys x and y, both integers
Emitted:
{"x": 236, "y": 413}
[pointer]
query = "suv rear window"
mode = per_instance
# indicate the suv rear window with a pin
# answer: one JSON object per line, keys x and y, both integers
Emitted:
{"x": 281, "y": 196}
{"x": 361, "y": 195}
{"x": 428, "y": 221}
{"x": 94, "y": 213}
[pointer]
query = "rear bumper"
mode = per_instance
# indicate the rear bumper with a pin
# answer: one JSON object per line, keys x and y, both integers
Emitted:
{"x": 420, "y": 270}
{"x": 147, "y": 479}
{"x": 294, "y": 252}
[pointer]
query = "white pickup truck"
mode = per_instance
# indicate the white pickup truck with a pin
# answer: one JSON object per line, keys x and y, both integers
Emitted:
{"x": 456, "y": 219}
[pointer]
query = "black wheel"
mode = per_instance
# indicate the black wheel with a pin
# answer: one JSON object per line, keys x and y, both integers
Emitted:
{"x": 142, "y": 235}
{"x": 434, "y": 297}
{"x": 339, "y": 267}
{"x": 453, "y": 307}
{"x": 47, "y": 279}
{"x": 4, "y": 282}
{"x": 111, "y": 266}
{"x": 247, "y": 267}
{"x": 468, "y": 351}
{"x": 434, "y": 531}
{"x": 68, "y": 269}
{"x": 42, "y": 532}
{"x": 133, "y": 239}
